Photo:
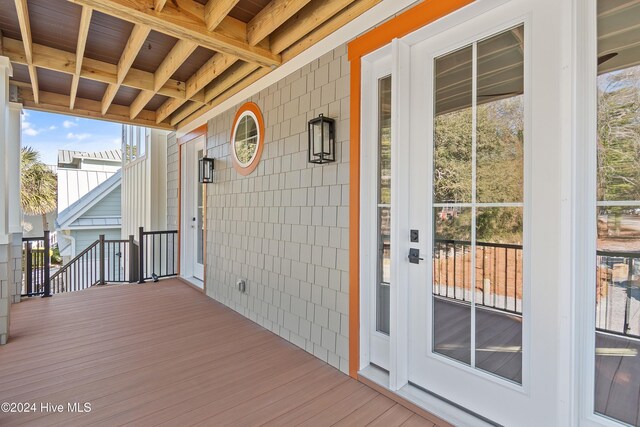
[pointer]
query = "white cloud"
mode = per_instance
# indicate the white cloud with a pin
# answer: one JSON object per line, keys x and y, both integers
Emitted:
{"x": 69, "y": 124}
{"x": 78, "y": 136}
{"x": 117, "y": 142}
{"x": 53, "y": 127}
{"x": 28, "y": 130}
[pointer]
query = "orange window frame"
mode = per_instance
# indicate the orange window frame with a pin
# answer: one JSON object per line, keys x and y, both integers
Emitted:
{"x": 413, "y": 19}
{"x": 253, "y": 108}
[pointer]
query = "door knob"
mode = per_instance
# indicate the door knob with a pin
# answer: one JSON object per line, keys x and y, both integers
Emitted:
{"x": 414, "y": 256}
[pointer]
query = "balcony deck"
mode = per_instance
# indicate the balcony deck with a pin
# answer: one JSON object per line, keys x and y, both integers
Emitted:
{"x": 164, "y": 354}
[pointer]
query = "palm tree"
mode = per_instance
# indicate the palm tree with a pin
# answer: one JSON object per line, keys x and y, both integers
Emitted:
{"x": 38, "y": 190}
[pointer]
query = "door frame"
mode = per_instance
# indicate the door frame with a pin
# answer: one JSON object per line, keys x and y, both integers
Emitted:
{"x": 558, "y": 363}
{"x": 584, "y": 236}
{"x": 200, "y": 131}
{"x": 419, "y": 16}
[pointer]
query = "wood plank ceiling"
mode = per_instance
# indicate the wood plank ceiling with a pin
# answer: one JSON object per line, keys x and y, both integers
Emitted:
{"x": 158, "y": 63}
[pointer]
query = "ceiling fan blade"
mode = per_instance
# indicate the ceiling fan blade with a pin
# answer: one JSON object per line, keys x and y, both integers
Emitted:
{"x": 500, "y": 94}
{"x": 604, "y": 58}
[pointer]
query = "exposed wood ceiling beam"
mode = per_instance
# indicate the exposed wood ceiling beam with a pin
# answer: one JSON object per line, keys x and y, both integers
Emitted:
{"x": 307, "y": 20}
{"x": 178, "y": 54}
{"x": 219, "y": 86}
{"x": 53, "y": 102}
{"x": 216, "y": 10}
{"x": 25, "y": 30}
{"x": 158, "y": 5}
{"x": 184, "y": 25}
{"x": 347, "y": 15}
{"x": 65, "y": 62}
{"x": 85, "y": 21}
{"x": 252, "y": 78}
{"x": 136, "y": 40}
{"x": 274, "y": 14}
{"x": 214, "y": 95}
{"x": 217, "y": 64}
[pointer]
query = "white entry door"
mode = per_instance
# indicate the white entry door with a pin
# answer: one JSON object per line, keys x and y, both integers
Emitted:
{"x": 467, "y": 269}
{"x": 193, "y": 211}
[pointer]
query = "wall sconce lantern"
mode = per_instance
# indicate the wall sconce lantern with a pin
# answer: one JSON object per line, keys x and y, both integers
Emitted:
{"x": 322, "y": 141}
{"x": 205, "y": 172}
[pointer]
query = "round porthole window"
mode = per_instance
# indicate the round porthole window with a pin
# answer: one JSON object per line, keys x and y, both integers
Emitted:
{"x": 247, "y": 138}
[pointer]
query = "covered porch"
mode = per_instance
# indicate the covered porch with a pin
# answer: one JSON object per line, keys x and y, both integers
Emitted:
{"x": 165, "y": 354}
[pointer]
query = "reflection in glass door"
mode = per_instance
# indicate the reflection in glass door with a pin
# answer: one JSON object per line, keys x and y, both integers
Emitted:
{"x": 617, "y": 285}
{"x": 384, "y": 206}
{"x": 478, "y": 183}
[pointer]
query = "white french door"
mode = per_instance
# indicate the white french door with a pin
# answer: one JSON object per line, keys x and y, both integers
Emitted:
{"x": 460, "y": 310}
{"x": 193, "y": 211}
{"x": 467, "y": 283}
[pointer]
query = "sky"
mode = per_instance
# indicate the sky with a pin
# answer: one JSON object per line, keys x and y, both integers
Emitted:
{"x": 47, "y": 133}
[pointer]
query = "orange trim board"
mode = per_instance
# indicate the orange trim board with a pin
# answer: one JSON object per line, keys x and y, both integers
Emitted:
{"x": 417, "y": 17}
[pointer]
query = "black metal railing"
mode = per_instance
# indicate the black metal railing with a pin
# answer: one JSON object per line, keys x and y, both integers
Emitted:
{"x": 82, "y": 272}
{"x": 105, "y": 261}
{"x": 158, "y": 254}
{"x": 36, "y": 265}
{"x": 498, "y": 283}
{"x": 618, "y": 293}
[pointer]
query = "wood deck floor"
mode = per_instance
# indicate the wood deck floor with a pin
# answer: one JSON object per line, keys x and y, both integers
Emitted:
{"x": 164, "y": 354}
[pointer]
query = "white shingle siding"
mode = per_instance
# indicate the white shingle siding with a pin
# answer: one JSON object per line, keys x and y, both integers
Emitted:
{"x": 284, "y": 228}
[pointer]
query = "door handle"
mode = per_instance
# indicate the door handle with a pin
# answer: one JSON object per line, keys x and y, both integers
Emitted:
{"x": 414, "y": 256}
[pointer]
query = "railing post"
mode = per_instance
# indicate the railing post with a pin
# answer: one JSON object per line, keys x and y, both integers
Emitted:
{"x": 132, "y": 255}
{"x": 47, "y": 265}
{"x": 29, "y": 271}
{"x": 141, "y": 255}
{"x": 101, "y": 260}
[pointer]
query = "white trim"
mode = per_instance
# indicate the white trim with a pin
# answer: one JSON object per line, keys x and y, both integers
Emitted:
{"x": 400, "y": 157}
{"x": 583, "y": 218}
{"x": 13, "y": 145}
{"x": 374, "y": 346}
{"x": 379, "y": 13}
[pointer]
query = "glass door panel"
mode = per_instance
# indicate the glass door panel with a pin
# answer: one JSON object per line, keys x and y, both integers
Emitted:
{"x": 617, "y": 285}
{"x": 478, "y": 187}
{"x": 384, "y": 206}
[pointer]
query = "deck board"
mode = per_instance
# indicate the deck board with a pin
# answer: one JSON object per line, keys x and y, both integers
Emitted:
{"x": 164, "y": 354}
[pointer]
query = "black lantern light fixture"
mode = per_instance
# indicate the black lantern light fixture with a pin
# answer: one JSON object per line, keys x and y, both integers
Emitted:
{"x": 205, "y": 172}
{"x": 322, "y": 141}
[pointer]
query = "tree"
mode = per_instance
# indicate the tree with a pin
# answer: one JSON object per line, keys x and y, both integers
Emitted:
{"x": 38, "y": 190}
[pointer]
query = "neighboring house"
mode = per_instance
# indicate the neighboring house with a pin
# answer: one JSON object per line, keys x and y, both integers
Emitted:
{"x": 144, "y": 182}
{"x": 89, "y": 199}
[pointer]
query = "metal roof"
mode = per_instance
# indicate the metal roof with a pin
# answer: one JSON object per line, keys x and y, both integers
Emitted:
{"x": 69, "y": 157}
{"x": 73, "y": 184}
{"x": 72, "y": 213}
